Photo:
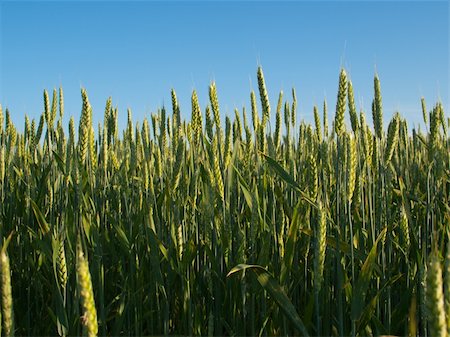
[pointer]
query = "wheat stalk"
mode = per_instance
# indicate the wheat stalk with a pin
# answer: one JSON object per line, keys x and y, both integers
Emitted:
{"x": 89, "y": 318}
{"x": 435, "y": 298}
{"x": 7, "y": 301}
{"x": 340, "y": 104}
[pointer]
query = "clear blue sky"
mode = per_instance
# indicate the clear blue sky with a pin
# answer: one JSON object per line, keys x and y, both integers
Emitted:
{"x": 137, "y": 51}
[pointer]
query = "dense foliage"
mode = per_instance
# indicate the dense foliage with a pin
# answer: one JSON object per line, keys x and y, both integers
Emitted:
{"x": 195, "y": 228}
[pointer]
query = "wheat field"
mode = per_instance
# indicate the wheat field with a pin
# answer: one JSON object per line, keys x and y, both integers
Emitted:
{"x": 191, "y": 227}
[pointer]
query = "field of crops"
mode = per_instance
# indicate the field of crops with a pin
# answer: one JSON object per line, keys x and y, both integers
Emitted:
{"x": 192, "y": 227}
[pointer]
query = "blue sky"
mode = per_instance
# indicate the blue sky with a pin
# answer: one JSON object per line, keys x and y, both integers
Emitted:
{"x": 137, "y": 51}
